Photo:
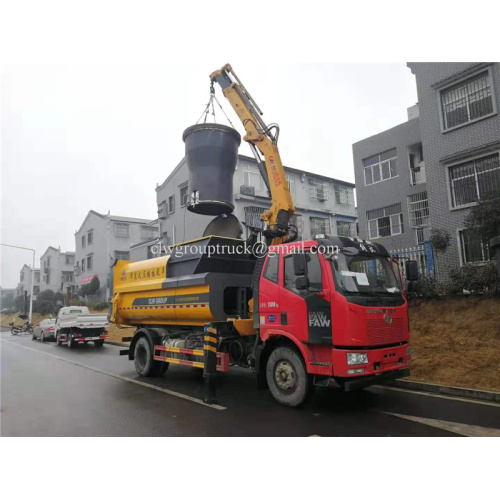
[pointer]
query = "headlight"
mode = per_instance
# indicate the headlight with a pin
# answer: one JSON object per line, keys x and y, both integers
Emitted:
{"x": 357, "y": 358}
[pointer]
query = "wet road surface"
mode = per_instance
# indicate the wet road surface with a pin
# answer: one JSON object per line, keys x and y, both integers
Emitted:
{"x": 49, "y": 390}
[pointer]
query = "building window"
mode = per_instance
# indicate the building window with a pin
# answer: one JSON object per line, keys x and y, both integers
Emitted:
{"x": 184, "y": 195}
{"x": 418, "y": 209}
{"x": 89, "y": 262}
{"x": 290, "y": 179}
{"x": 380, "y": 167}
{"x": 83, "y": 241}
{"x": 467, "y": 101}
{"x": 148, "y": 232}
{"x": 387, "y": 221}
{"x": 252, "y": 217}
{"x": 122, "y": 255}
{"x": 69, "y": 259}
{"x": 317, "y": 189}
{"x": 345, "y": 228}
{"x": 83, "y": 265}
{"x": 419, "y": 235}
{"x": 296, "y": 220}
{"x": 149, "y": 252}
{"x": 344, "y": 195}
{"x": 90, "y": 237}
{"x": 171, "y": 204}
{"x": 470, "y": 181}
{"x": 319, "y": 225}
{"x": 474, "y": 249}
{"x": 252, "y": 177}
{"x": 417, "y": 165}
{"x": 121, "y": 229}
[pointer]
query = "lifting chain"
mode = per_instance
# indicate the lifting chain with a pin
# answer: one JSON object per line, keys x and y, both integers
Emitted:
{"x": 210, "y": 105}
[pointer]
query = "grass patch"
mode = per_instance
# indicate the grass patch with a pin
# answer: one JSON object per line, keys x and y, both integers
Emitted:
{"x": 456, "y": 342}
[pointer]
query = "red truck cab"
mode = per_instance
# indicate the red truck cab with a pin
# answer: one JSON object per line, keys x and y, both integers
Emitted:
{"x": 340, "y": 302}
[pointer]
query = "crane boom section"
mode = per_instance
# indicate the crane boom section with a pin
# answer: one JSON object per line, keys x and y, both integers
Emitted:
{"x": 282, "y": 207}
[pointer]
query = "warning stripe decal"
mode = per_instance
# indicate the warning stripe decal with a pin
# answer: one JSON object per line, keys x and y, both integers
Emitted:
{"x": 173, "y": 306}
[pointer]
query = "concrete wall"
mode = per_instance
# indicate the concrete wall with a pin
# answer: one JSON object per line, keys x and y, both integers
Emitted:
{"x": 393, "y": 190}
{"x": 182, "y": 225}
{"x": 442, "y": 148}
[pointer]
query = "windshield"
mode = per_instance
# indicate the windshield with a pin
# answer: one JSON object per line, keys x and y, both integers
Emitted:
{"x": 364, "y": 275}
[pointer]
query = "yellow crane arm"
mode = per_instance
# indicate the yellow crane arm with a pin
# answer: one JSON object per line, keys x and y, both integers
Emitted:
{"x": 259, "y": 136}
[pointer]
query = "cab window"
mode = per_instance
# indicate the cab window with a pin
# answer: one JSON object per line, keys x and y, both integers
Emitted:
{"x": 272, "y": 268}
{"x": 313, "y": 273}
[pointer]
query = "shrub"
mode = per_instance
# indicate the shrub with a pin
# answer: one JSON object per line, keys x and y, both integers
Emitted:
{"x": 100, "y": 306}
{"x": 90, "y": 288}
{"x": 426, "y": 287}
{"x": 474, "y": 279}
{"x": 440, "y": 239}
{"x": 77, "y": 302}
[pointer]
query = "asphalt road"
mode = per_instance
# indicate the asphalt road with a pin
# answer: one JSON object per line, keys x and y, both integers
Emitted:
{"x": 49, "y": 390}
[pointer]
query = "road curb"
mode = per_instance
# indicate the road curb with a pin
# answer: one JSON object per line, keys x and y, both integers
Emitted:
{"x": 448, "y": 390}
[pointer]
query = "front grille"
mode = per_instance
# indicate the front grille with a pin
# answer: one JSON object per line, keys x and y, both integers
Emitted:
{"x": 379, "y": 333}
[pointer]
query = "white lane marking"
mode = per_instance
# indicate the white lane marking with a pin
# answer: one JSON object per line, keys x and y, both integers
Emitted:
{"x": 126, "y": 379}
{"x": 432, "y": 395}
{"x": 456, "y": 427}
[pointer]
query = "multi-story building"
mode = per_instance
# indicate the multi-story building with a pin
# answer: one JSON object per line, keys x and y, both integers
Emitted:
{"x": 57, "y": 271}
{"x": 428, "y": 172}
{"x": 391, "y": 186}
{"x": 25, "y": 277}
{"x": 103, "y": 238}
{"x": 323, "y": 204}
{"x": 460, "y": 129}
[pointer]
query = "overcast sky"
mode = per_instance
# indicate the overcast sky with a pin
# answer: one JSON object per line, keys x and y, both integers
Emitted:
{"x": 81, "y": 137}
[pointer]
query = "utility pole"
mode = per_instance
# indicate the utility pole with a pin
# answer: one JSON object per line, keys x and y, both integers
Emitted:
{"x": 32, "y": 275}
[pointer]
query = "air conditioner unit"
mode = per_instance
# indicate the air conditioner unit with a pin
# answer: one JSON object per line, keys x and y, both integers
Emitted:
{"x": 248, "y": 190}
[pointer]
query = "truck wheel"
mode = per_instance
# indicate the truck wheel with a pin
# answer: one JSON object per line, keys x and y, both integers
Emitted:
{"x": 99, "y": 343}
{"x": 145, "y": 365}
{"x": 58, "y": 341}
{"x": 71, "y": 342}
{"x": 287, "y": 377}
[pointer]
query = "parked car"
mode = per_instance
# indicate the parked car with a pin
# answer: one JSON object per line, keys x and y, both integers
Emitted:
{"x": 44, "y": 330}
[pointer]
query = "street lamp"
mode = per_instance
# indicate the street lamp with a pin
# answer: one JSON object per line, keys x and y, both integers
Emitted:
{"x": 32, "y": 275}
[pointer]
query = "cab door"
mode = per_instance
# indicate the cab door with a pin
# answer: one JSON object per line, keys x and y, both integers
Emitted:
{"x": 269, "y": 292}
{"x": 307, "y": 313}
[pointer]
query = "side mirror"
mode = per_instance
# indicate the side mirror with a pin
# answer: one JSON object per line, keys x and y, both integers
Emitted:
{"x": 301, "y": 282}
{"x": 411, "y": 270}
{"x": 300, "y": 264}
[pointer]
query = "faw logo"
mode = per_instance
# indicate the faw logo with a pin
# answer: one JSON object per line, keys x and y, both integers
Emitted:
{"x": 318, "y": 319}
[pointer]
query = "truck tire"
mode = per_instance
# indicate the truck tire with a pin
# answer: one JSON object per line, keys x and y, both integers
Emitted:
{"x": 145, "y": 365}
{"x": 287, "y": 378}
{"x": 99, "y": 343}
{"x": 71, "y": 342}
{"x": 58, "y": 341}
